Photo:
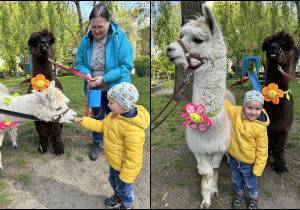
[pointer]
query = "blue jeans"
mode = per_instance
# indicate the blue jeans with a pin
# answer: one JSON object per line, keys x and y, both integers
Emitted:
{"x": 241, "y": 174}
{"x": 98, "y": 137}
{"x": 122, "y": 189}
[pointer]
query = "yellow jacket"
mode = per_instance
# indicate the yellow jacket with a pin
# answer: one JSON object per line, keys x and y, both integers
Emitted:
{"x": 123, "y": 140}
{"x": 249, "y": 139}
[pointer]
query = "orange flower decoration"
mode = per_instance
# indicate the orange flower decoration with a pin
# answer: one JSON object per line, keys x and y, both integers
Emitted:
{"x": 39, "y": 82}
{"x": 272, "y": 93}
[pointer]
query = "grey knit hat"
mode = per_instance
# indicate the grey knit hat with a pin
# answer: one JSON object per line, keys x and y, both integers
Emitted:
{"x": 253, "y": 95}
{"x": 125, "y": 94}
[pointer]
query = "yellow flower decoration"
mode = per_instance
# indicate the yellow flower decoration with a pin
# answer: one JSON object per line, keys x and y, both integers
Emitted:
{"x": 272, "y": 93}
{"x": 39, "y": 82}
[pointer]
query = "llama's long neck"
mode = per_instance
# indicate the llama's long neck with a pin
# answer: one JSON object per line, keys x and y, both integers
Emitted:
{"x": 273, "y": 75}
{"x": 210, "y": 85}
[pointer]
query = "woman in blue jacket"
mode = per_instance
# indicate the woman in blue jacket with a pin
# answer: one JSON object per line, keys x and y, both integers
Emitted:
{"x": 105, "y": 56}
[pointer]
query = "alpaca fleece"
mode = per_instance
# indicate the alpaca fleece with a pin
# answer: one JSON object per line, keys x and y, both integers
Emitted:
{"x": 46, "y": 106}
{"x": 280, "y": 51}
{"x": 40, "y": 45}
{"x": 204, "y": 38}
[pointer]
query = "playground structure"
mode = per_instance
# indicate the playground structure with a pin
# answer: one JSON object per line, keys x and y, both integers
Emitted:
{"x": 26, "y": 65}
{"x": 156, "y": 75}
{"x": 157, "y": 88}
{"x": 156, "y": 78}
{"x": 247, "y": 74}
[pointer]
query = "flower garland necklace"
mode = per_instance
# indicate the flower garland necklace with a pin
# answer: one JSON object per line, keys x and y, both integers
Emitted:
{"x": 7, "y": 123}
{"x": 195, "y": 118}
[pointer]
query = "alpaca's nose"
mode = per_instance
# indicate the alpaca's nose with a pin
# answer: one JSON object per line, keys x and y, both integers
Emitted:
{"x": 169, "y": 49}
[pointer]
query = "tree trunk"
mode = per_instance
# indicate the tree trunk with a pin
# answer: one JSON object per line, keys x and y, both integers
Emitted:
{"x": 188, "y": 11}
{"x": 79, "y": 17}
{"x": 298, "y": 33}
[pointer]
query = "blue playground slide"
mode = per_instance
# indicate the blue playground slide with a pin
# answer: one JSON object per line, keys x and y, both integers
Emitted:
{"x": 252, "y": 77}
{"x": 254, "y": 81}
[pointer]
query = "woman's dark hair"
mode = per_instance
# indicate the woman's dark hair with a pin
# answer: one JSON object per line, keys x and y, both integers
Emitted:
{"x": 99, "y": 11}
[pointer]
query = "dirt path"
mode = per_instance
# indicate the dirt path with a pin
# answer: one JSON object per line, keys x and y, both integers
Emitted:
{"x": 72, "y": 180}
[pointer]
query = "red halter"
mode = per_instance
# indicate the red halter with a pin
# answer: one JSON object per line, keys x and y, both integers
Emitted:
{"x": 191, "y": 55}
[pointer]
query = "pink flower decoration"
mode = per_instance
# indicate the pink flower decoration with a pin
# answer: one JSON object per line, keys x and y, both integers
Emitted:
{"x": 4, "y": 125}
{"x": 195, "y": 118}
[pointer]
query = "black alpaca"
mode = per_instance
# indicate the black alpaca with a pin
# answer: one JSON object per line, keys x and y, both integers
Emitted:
{"x": 40, "y": 45}
{"x": 280, "y": 51}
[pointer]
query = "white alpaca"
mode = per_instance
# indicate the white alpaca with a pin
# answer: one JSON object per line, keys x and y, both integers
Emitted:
{"x": 203, "y": 38}
{"x": 47, "y": 105}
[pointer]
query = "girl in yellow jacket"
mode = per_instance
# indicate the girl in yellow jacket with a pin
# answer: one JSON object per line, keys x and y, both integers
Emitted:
{"x": 248, "y": 148}
{"x": 124, "y": 138}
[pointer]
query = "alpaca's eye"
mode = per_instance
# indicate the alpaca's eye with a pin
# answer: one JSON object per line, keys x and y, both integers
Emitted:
{"x": 58, "y": 109}
{"x": 198, "y": 41}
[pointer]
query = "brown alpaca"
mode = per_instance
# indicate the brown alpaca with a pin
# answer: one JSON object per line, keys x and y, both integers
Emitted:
{"x": 280, "y": 51}
{"x": 40, "y": 46}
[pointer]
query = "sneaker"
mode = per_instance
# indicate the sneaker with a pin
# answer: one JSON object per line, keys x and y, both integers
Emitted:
{"x": 237, "y": 202}
{"x": 122, "y": 206}
{"x": 253, "y": 203}
{"x": 113, "y": 202}
{"x": 95, "y": 151}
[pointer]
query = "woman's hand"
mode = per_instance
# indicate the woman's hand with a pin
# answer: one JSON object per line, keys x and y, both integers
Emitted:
{"x": 89, "y": 77}
{"x": 97, "y": 81}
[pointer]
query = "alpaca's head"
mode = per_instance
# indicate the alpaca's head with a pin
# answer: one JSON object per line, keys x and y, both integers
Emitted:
{"x": 51, "y": 103}
{"x": 280, "y": 48}
{"x": 201, "y": 37}
{"x": 40, "y": 44}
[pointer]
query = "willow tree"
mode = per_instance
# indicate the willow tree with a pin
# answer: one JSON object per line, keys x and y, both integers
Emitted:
{"x": 165, "y": 27}
{"x": 245, "y": 24}
{"x": 18, "y": 19}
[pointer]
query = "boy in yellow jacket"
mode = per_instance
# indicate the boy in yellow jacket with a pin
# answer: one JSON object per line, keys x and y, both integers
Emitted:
{"x": 248, "y": 148}
{"x": 124, "y": 137}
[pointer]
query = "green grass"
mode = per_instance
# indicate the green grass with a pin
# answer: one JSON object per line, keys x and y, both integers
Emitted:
{"x": 24, "y": 178}
{"x": 3, "y": 194}
{"x": 21, "y": 163}
{"x": 80, "y": 158}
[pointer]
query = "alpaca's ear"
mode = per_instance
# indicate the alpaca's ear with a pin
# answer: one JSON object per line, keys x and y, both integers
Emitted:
{"x": 42, "y": 96}
{"x": 290, "y": 43}
{"x": 52, "y": 37}
{"x": 52, "y": 84}
{"x": 210, "y": 20}
{"x": 32, "y": 41}
{"x": 266, "y": 43}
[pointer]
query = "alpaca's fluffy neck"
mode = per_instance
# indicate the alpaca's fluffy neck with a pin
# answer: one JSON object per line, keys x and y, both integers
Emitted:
{"x": 42, "y": 67}
{"x": 273, "y": 75}
{"x": 210, "y": 84}
{"x": 27, "y": 104}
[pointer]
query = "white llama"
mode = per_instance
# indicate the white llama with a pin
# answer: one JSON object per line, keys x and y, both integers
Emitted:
{"x": 202, "y": 38}
{"x": 48, "y": 105}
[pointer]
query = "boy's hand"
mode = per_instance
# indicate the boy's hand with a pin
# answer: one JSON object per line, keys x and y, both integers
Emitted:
{"x": 78, "y": 119}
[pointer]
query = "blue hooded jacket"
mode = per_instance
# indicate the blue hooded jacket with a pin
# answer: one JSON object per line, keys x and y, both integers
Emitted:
{"x": 118, "y": 60}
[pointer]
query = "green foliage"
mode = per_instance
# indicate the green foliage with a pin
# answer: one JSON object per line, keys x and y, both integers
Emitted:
{"x": 142, "y": 63}
{"x": 166, "y": 23}
{"x": 245, "y": 24}
{"x": 166, "y": 16}
{"x": 18, "y": 21}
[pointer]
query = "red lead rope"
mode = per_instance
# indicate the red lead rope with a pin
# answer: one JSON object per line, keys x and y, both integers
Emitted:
{"x": 78, "y": 74}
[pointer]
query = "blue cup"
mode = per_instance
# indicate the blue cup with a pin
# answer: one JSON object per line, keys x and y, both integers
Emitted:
{"x": 94, "y": 97}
